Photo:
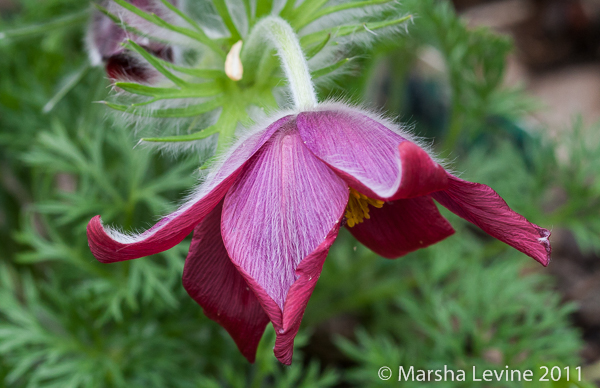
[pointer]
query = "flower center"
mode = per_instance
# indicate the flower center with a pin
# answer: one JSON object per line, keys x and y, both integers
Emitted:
{"x": 358, "y": 207}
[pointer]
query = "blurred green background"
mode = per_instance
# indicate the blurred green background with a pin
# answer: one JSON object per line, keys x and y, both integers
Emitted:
{"x": 68, "y": 321}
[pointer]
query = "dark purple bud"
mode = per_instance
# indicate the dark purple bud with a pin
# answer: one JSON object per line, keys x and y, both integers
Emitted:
{"x": 106, "y": 38}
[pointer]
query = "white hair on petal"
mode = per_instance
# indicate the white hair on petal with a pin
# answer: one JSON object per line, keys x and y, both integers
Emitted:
{"x": 227, "y": 162}
{"x": 406, "y": 131}
{"x": 217, "y": 173}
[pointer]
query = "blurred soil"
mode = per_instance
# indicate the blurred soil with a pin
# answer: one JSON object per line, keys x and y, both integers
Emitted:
{"x": 557, "y": 56}
{"x": 557, "y": 60}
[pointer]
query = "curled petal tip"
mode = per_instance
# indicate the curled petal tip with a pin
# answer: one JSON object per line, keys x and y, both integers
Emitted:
{"x": 482, "y": 206}
{"x": 545, "y": 241}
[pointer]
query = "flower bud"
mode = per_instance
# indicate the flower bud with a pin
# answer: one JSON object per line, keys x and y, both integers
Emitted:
{"x": 105, "y": 42}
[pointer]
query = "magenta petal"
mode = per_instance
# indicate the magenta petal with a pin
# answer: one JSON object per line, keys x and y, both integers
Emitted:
{"x": 286, "y": 324}
{"x": 421, "y": 175}
{"x": 402, "y": 226}
{"x": 279, "y": 210}
{"x": 279, "y": 219}
{"x": 213, "y": 281}
{"x": 482, "y": 206}
{"x": 110, "y": 246}
{"x": 308, "y": 273}
{"x": 370, "y": 157}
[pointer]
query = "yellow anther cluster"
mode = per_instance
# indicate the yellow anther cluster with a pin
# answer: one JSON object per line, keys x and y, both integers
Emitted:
{"x": 358, "y": 207}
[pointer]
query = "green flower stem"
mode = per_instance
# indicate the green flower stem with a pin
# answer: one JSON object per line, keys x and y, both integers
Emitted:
{"x": 203, "y": 134}
{"x": 279, "y": 32}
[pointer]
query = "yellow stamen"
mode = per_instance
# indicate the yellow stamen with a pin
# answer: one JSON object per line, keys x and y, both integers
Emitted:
{"x": 358, "y": 207}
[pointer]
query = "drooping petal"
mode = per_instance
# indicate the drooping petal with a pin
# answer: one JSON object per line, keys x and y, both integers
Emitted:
{"x": 279, "y": 211}
{"x": 110, "y": 246}
{"x": 279, "y": 219}
{"x": 482, "y": 206}
{"x": 214, "y": 283}
{"x": 402, "y": 226}
{"x": 287, "y": 323}
{"x": 308, "y": 273}
{"x": 370, "y": 157}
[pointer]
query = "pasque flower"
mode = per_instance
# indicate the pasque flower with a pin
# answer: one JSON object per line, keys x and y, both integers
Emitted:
{"x": 266, "y": 216}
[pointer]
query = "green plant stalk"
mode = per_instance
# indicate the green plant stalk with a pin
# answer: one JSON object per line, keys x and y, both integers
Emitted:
{"x": 293, "y": 61}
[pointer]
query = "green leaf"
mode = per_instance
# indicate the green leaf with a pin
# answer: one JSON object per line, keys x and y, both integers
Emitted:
{"x": 263, "y": 7}
{"x": 72, "y": 81}
{"x": 197, "y": 72}
{"x": 206, "y": 89}
{"x": 182, "y": 15}
{"x": 350, "y": 29}
{"x": 314, "y": 50}
{"x": 288, "y": 9}
{"x": 200, "y": 73}
{"x": 304, "y": 10}
{"x": 155, "y": 63}
{"x": 326, "y": 70}
{"x": 221, "y": 7}
{"x": 189, "y": 111}
{"x": 203, "y": 134}
{"x": 198, "y": 34}
{"x": 120, "y": 23}
{"x": 338, "y": 8}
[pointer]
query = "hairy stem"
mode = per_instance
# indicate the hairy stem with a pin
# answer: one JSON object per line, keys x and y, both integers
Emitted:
{"x": 282, "y": 36}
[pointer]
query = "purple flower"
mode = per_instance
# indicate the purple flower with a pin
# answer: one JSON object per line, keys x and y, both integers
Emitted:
{"x": 105, "y": 42}
{"x": 266, "y": 217}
